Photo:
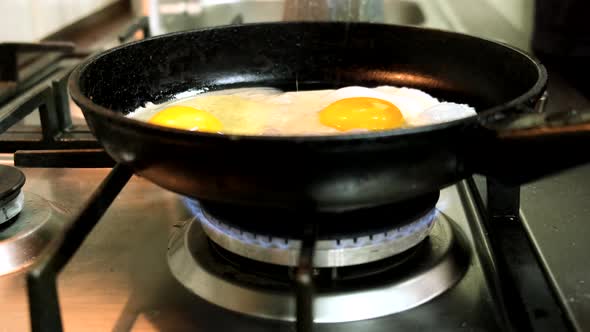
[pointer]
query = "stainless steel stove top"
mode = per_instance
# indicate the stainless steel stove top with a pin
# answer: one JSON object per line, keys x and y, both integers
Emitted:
{"x": 120, "y": 280}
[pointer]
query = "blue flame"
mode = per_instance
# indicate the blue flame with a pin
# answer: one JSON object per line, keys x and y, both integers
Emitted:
{"x": 262, "y": 240}
{"x": 421, "y": 225}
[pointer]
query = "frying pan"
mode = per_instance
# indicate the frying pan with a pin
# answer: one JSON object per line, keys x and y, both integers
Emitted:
{"x": 507, "y": 140}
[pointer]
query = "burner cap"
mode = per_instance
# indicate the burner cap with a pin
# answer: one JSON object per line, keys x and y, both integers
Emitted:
{"x": 11, "y": 182}
{"x": 11, "y": 197}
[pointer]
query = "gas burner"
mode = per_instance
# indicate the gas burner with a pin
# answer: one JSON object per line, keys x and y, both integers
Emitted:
{"x": 343, "y": 239}
{"x": 329, "y": 252}
{"x": 11, "y": 196}
{"x": 375, "y": 289}
{"x": 24, "y": 237}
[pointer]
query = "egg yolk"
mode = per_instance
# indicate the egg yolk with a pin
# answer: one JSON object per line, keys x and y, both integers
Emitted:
{"x": 189, "y": 118}
{"x": 361, "y": 113}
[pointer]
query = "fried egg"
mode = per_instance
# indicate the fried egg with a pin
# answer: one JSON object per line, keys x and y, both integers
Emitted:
{"x": 268, "y": 111}
{"x": 189, "y": 118}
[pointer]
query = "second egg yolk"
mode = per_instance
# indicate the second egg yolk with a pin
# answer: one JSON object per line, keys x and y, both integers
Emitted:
{"x": 361, "y": 113}
{"x": 189, "y": 118}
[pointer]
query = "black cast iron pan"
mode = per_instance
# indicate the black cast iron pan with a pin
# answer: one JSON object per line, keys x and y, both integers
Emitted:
{"x": 507, "y": 140}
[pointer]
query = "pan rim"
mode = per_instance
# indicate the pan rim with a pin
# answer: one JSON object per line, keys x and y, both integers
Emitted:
{"x": 88, "y": 105}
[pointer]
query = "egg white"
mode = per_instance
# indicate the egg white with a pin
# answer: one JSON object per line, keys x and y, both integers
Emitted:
{"x": 268, "y": 111}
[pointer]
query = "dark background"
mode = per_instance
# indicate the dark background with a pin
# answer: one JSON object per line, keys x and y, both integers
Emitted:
{"x": 561, "y": 39}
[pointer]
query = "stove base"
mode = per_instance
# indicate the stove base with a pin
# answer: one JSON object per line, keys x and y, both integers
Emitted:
{"x": 437, "y": 264}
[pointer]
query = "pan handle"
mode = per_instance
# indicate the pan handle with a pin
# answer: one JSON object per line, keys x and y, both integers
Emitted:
{"x": 519, "y": 148}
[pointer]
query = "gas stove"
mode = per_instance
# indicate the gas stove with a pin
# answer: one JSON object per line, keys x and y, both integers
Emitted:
{"x": 155, "y": 269}
{"x": 159, "y": 261}
{"x": 87, "y": 247}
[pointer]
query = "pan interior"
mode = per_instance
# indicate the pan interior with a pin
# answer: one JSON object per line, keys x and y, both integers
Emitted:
{"x": 303, "y": 56}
